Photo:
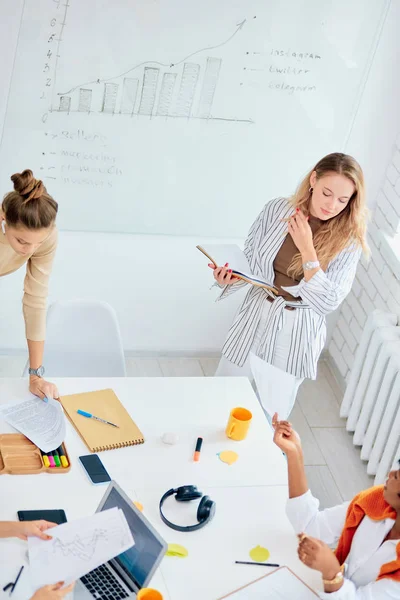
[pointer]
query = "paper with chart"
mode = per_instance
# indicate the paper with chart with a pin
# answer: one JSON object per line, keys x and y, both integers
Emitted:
{"x": 282, "y": 584}
{"x": 78, "y": 547}
{"x": 42, "y": 422}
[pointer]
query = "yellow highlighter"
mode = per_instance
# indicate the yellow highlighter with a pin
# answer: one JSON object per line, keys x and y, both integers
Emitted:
{"x": 63, "y": 458}
{"x": 45, "y": 459}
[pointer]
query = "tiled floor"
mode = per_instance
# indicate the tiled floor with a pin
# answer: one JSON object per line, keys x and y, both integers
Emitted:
{"x": 334, "y": 469}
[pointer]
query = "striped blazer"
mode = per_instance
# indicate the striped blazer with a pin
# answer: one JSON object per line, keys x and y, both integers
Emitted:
{"x": 321, "y": 295}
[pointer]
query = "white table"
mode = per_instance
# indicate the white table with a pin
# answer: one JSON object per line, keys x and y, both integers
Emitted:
{"x": 250, "y": 495}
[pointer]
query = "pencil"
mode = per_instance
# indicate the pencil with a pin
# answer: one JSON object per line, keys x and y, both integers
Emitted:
{"x": 260, "y": 564}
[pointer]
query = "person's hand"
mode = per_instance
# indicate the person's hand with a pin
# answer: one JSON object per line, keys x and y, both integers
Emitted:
{"x": 318, "y": 556}
{"x": 300, "y": 230}
{"x": 53, "y": 591}
{"x": 42, "y": 388}
{"x": 285, "y": 437}
{"x": 223, "y": 275}
{"x": 25, "y": 529}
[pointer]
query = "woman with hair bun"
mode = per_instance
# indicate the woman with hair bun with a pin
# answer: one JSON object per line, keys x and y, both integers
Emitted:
{"x": 28, "y": 236}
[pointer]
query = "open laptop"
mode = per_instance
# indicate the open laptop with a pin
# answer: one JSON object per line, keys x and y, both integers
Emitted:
{"x": 123, "y": 576}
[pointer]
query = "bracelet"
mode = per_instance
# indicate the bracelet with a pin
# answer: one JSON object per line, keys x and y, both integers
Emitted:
{"x": 309, "y": 265}
{"x": 337, "y": 579}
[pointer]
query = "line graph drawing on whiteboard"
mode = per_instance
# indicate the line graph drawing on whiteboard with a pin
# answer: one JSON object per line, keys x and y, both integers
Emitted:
{"x": 181, "y": 89}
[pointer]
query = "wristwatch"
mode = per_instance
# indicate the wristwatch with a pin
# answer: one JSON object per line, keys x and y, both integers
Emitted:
{"x": 309, "y": 265}
{"x": 337, "y": 579}
{"x": 39, "y": 372}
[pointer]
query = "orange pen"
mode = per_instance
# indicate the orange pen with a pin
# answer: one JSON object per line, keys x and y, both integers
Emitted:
{"x": 196, "y": 456}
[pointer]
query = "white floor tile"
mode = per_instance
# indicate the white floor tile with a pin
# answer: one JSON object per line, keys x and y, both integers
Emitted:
{"x": 143, "y": 367}
{"x": 323, "y": 486}
{"x": 209, "y": 366}
{"x": 181, "y": 367}
{"x": 318, "y": 402}
{"x": 12, "y": 366}
{"x": 343, "y": 460}
{"x": 312, "y": 453}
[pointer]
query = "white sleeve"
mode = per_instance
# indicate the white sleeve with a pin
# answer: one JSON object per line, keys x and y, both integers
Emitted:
{"x": 325, "y": 525}
{"x": 384, "y": 589}
{"x": 325, "y": 291}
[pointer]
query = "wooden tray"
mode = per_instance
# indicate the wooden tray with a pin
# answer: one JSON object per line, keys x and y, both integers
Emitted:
{"x": 19, "y": 456}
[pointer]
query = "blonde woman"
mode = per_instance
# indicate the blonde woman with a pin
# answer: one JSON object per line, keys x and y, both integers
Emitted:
{"x": 307, "y": 247}
{"x": 28, "y": 236}
{"x": 365, "y": 532}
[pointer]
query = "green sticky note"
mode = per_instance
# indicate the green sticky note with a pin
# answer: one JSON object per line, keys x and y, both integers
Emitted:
{"x": 259, "y": 554}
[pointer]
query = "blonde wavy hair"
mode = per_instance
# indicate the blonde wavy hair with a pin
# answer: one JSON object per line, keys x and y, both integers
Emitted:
{"x": 348, "y": 227}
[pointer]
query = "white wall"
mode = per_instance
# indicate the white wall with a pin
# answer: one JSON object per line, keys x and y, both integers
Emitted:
{"x": 159, "y": 285}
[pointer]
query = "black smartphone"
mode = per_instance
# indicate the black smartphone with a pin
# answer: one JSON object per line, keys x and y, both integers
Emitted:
{"x": 94, "y": 469}
{"x": 53, "y": 516}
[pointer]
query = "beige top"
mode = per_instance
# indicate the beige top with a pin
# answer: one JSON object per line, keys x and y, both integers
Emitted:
{"x": 285, "y": 257}
{"x": 36, "y": 284}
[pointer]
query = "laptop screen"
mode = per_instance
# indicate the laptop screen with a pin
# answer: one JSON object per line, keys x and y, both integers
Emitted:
{"x": 138, "y": 561}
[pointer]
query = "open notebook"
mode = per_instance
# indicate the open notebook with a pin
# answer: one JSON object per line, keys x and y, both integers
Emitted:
{"x": 96, "y": 435}
{"x": 281, "y": 584}
{"x": 219, "y": 254}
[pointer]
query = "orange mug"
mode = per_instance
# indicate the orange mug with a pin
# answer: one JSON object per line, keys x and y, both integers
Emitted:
{"x": 149, "y": 594}
{"x": 238, "y": 423}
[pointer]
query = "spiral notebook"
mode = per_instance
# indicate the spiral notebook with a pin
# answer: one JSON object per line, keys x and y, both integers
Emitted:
{"x": 105, "y": 405}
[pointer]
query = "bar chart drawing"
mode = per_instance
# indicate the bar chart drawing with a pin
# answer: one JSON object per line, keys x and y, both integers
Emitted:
{"x": 185, "y": 92}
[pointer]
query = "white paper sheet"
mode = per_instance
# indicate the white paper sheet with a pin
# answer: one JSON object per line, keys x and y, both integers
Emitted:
{"x": 42, "y": 422}
{"x": 79, "y": 547}
{"x": 282, "y": 584}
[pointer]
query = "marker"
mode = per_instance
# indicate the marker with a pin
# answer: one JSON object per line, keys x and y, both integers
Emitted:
{"x": 56, "y": 458}
{"x": 45, "y": 459}
{"x": 63, "y": 458}
{"x": 196, "y": 456}
{"x": 51, "y": 459}
{"x": 90, "y": 416}
{"x": 243, "y": 562}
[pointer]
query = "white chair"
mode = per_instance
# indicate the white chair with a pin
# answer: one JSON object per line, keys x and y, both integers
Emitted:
{"x": 83, "y": 339}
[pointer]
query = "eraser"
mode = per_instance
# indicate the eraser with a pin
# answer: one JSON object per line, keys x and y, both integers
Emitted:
{"x": 170, "y": 438}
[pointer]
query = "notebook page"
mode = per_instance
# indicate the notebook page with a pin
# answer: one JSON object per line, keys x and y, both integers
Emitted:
{"x": 280, "y": 585}
{"x": 228, "y": 253}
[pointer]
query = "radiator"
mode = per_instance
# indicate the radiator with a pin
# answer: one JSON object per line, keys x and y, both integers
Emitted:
{"x": 371, "y": 401}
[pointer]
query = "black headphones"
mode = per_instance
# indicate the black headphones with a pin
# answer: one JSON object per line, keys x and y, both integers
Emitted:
{"x": 205, "y": 511}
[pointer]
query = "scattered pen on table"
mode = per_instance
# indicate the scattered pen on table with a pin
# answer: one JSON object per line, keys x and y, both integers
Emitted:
{"x": 90, "y": 416}
{"x": 196, "y": 456}
{"x": 260, "y": 564}
{"x": 11, "y": 586}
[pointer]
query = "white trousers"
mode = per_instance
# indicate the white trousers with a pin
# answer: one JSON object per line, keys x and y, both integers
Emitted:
{"x": 276, "y": 388}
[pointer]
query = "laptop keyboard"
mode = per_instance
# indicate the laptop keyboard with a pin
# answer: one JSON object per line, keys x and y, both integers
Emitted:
{"x": 102, "y": 585}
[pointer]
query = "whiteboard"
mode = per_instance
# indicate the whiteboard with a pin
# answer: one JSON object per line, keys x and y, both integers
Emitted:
{"x": 182, "y": 117}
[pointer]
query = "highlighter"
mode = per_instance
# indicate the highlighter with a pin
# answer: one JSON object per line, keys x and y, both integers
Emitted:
{"x": 56, "y": 458}
{"x": 196, "y": 456}
{"x": 63, "y": 458}
{"x": 45, "y": 459}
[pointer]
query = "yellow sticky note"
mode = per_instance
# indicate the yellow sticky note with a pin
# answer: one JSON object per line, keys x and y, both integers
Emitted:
{"x": 228, "y": 456}
{"x": 259, "y": 554}
{"x": 139, "y": 506}
{"x": 176, "y": 550}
